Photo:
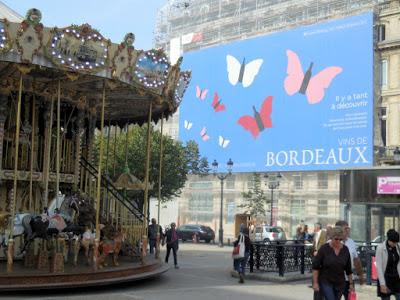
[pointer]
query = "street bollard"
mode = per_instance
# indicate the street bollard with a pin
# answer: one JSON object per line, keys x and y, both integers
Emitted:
{"x": 302, "y": 259}
{"x": 229, "y": 242}
{"x": 251, "y": 260}
{"x": 280, "y": 259}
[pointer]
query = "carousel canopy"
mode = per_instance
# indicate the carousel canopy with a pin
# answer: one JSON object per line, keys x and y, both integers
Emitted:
{"x": 85, "y": 62}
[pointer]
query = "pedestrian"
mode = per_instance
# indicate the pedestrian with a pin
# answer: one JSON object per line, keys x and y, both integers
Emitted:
{"x": 240, "y": 263}
{"x": 319, "y": 238}
{"x": 388, "y": 266}
{"x": 154, "y": 228}
{"x": 355, "y": 260}
{"x": 172, "y": 242}
{"x": 329, "y": 265}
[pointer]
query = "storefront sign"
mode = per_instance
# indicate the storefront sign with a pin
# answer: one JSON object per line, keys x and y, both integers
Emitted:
{"x": 388, "y": 185}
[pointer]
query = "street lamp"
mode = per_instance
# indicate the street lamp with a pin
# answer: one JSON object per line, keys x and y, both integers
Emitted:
{"x": 273, "y": 183}
{"x": 222, "y": 177}
{"x": 396, "y": 155}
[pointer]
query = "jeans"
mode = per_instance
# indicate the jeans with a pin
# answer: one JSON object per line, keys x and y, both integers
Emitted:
{"x": 152, "y": 244}
{"x": 174, "y": 248}
{"x": 330, "y": 291}
{"x": 240, "y": 263}
{"x": 346, "y": 290}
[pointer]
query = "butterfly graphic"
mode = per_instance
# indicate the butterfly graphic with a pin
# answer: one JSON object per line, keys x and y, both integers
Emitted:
{"x": 187, "y": 125}
{"x": 223, "y": 142}
{"x": 260, "y": 121}
{"x": 203, "y": 134}
{"x": 201, "y": 94}
{"x": 241, "y": 72}
{"x": 312, "y": 87}
{"x": 216, "y": 103}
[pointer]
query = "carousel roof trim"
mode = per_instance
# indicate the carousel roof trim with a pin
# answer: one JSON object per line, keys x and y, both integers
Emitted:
{"x": 84, "y": 61}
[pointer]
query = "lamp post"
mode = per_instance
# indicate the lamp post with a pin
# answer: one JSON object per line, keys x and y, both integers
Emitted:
{"x": 222, "y": 177}
{"x": 396, "y": 155}
{"x": 273, "y": 183}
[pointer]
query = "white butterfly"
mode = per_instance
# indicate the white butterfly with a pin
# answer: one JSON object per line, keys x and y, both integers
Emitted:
{"x": 188, "y": 125}
{"x": 223, "y": 142}
{"x": 241, "y": 72}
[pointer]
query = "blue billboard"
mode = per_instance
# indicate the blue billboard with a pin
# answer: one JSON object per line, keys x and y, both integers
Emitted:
{"x": 295, "y": 100}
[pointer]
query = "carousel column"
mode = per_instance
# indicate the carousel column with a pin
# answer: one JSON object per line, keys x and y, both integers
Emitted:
{"x": 159, "y": 188}
{"x": 146, "y": 188}
{"x": 10, "y": 250}
{"x": 90, "y": 153}
{"x": 3, "y": 114}
{"x": 78, "y": 149}
{"x": 47, "y": 154}
{"x": 96, "y": 255}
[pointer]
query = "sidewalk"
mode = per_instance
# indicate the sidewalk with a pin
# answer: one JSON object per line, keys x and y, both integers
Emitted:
{"x": 365, "y": 292}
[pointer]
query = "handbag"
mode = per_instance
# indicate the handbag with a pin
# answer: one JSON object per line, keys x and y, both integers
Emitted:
{"x": 239, "y": 249}
{"x": 352, "y": 295}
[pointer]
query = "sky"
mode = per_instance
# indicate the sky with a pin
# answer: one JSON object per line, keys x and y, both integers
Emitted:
{"x": 113, "y": 18}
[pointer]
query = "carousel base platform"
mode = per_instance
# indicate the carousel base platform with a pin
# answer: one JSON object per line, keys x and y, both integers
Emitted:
{"x": 23, "y": 278}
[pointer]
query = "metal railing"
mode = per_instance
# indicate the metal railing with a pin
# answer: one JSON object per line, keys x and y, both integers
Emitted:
{"x": 296, "y": 257}
{"x": 280, "y": 257}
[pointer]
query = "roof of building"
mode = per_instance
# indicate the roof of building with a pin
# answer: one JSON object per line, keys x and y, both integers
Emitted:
{"x": 9, "y": 14}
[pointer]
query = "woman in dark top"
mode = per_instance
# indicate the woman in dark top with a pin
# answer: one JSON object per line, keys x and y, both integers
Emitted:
{"x": 329, "y": 265}
{"x": 240, "y": 263}
{"x": 388, "y": 266}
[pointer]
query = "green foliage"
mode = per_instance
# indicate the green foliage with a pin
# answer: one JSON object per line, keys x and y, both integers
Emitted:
{"x": 254, "y": 200}
{"x": 178, "y": 160}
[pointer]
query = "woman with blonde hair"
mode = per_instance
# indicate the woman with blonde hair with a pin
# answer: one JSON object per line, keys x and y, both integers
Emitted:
{"x": 329, "y": 265}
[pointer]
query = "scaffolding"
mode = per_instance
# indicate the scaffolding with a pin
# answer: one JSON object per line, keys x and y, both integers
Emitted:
{"x": 223, "y": 21}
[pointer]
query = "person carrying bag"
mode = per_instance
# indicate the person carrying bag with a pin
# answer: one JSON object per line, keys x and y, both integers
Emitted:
{"x": 241, "y": 253}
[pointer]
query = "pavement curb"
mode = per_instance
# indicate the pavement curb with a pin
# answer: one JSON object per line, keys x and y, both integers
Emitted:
{"x": 273, "y": 277}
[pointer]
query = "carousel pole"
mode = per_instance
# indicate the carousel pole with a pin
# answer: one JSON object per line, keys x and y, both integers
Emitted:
{"x": 32, "y": 153}
{"x": 115, "y": 153}
{"x": 47, "y": 158}
{"x": 58, "y": 141}
{"x": 10, "y": 250}
{"x": 97, "y": 239}
{"x": 159, "y": 188}
{"x": 146, "y": 188}
{"x": 106, "y": 209}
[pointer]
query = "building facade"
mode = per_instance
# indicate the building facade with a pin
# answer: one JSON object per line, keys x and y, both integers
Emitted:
{"x": 302, "y": 197}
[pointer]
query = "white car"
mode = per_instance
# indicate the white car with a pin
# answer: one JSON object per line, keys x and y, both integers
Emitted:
{"x": 269, "y": 234}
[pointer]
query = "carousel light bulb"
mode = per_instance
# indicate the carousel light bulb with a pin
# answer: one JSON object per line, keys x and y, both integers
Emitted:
{"x": 78, "y": 35}
{"x": 82, "y": 40}
{"x": 53, "y": 53}
{"x": 62, "y": 35}
{"x": 62, "y": 61}
{"x": 55, "y": 38}
{"x": 52, "y": 45}
{"x": 69, "y": 59}
{"x": 2, "y": 30}
{"x": 87, "y": 63}
{"x": 2, "y": 45}
{"x": 66, "y": 30}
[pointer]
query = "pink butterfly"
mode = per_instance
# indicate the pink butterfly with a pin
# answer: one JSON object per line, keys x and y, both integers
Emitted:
{"x": 260, "y": 121}
{"x": 203, "y": 134}
{"x": 312, "y": 87}
{"x": 216, "y": 103}
{"x": 201, "y": 94}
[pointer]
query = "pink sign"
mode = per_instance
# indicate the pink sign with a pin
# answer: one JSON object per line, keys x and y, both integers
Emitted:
{"x": 388, "y": 185}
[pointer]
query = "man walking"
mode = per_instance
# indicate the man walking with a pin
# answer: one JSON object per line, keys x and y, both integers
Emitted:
{"x": 319, "y": 238}
{"x": 355, "y": 260}
{"x": 154, "y": 228}
{"x": 172, "y": 243}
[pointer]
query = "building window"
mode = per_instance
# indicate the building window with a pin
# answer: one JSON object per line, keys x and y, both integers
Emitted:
{"x": 230, "y": 211}
{"x": 298, "y": 181}
{"x": 384, "y": 74}
{"x": 230, "y": 183}
{"x": 383, "y": 118}
{"x": 201, "y": 207}
{"x": 322, "y": 180}
{"x": 298, "y": 207}
{"x": 322, "y": 207}
{"x": 381, "y": 33}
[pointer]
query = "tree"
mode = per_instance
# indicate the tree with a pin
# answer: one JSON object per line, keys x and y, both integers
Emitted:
{"x": 255, "y": 199}
{"x": 178, "y": 161}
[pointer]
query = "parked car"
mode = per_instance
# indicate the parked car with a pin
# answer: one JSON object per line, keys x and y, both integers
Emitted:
{"x": 269, "y": 234}
{"x": 202, "y": 233}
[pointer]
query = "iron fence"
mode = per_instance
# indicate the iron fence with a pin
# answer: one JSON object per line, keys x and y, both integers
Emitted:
{"x": 296, "y": 257}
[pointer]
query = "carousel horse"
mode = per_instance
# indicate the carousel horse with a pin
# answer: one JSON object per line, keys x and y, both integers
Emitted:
{"x": 32, "y": 226}
{"x": 110, "y": 246}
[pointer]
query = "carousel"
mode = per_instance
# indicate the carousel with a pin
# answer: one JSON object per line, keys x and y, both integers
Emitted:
{"x": 64, "y": 222}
